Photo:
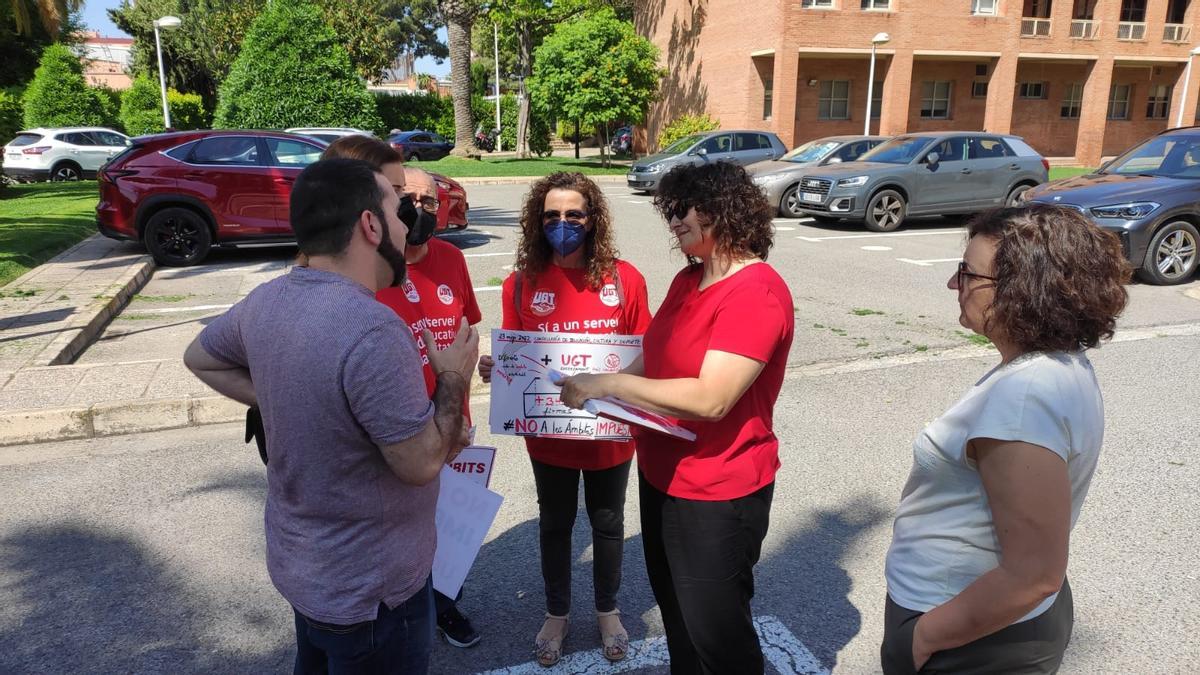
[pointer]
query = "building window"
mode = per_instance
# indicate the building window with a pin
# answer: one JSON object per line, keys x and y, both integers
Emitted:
{"x": 984, "y": 7}
{"x": 877, "y": 100}
{"x": 979, "y": 89}
{"x": 817, "y": 4}
{"x": 1118, "y": 102}
{"x": 1159, "y": 103}
{"x": 1032, "y": 89}
{"x": 1133, "y": 10}
{"x": 935, "y": 100}
{"x": 883, "y": 5}
{"x": 834, "y": 102}
{"x": 1073, "y": 101}
{"x": 768, "y": 95}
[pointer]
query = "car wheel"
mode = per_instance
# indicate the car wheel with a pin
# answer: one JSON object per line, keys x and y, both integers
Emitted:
{"x": 1171, "y": 258}
{"x": 1017, "y": 196}
{"x": 789, "y": 204}
{"x": 177, "y": 237}
{"x": 66, "y": 171}
{"x": 885, "y": 211}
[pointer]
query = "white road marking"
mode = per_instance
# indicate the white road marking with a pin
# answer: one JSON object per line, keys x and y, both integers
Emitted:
{"x": 784, "y": 228}
{"x": 876, "y": 248}
{"x": 486, "y": 255}
{"x": 173, "y": 310}
{"x": 929, "y": 262}
{"x": 884, "y": 235}
{"x": 480, "y": 289}
{"x": 633, "y": 201}
{"x": 781, "y": 649}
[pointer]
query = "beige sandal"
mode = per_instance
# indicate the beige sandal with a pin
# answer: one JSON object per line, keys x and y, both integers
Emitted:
{"x": 615, "y": 639}
{"x": 547, "y": 645}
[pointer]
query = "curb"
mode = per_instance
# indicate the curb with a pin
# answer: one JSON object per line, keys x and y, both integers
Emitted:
{"x": 522, "y": 180}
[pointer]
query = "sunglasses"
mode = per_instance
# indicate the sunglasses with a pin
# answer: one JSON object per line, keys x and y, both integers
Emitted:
{"x": 964, "y": 273}
{"x": 572, "y": 216}
{"x": 678, "y": 210}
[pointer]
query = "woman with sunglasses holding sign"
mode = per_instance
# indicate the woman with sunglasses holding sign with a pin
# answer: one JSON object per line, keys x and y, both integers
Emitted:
{"x": 976, "y": 573}
{"x": 713, "y": 358}
{"x": 568, "y": 279}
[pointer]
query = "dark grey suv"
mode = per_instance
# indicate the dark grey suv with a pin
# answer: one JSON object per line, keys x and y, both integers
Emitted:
{"x": 924, "y": 174}
{"x": 1149, "y": 197}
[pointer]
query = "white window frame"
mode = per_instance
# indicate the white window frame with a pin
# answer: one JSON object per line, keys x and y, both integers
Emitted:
{"x": 1159, "y": 108}
{"x": 876, "y": 5}
{"x": 975, "y": 89}
{"x": 933, "y": 99}
{"x": 1113, "y": 101}
{"x": 817, "y": 4}
{"x": 1072, "y": 102}
{"x": 985, "y": 7}
{"x": 1033, "y": 90}
{"x": 825, "y": 103}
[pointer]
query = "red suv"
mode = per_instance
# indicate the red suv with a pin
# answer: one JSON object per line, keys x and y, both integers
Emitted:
{"x": 183, "y": 193}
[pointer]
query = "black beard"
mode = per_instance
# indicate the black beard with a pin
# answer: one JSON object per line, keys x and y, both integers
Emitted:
{"x": 393, "y": 256}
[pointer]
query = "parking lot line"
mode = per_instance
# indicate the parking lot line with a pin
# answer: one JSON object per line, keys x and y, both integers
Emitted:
{"x": 929, "y": 262}
{"x": 480, "y": 289}
{"x": 884, "y": 235}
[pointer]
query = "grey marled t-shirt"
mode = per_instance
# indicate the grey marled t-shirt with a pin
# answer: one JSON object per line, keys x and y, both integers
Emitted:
{"x": 337, "y": 375}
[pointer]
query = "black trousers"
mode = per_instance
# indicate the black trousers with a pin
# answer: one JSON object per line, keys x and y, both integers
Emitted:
{"x": 700, "y": 556}
{"x": 558, "y": 500}
{"x": 1033, "y": 647}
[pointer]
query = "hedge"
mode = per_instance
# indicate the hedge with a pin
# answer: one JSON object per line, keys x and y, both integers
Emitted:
{"x": 58, "y": 96}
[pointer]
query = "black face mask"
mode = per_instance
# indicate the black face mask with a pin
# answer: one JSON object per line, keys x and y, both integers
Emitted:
{"x": 392, "y": 255}
{"x": 422, "y": 230}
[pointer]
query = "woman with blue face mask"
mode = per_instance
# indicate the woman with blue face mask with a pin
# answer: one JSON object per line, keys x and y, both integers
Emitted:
{"x": 568, "y": 279}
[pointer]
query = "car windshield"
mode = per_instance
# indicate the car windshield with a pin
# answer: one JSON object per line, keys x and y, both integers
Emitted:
{"x": 896, "y": 151}
{"x": 810, "y": 151}
{"x": 682, "y": 144}
{"x": 1174, "y": 156}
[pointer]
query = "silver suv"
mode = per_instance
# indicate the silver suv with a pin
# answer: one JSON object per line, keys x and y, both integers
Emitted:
{"x": 738, "y": 146}
{"x": 924, "y": 174}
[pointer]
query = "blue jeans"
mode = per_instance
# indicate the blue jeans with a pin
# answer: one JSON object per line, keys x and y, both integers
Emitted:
{"x": 398, "y": 641}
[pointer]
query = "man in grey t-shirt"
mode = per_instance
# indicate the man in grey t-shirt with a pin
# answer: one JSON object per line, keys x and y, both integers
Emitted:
{"x": 355, "y": 444}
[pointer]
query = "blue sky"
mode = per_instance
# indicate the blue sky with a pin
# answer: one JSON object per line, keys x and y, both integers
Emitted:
{"x": 95, "y": 15}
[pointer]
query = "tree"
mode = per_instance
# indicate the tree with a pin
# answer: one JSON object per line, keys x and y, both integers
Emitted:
{"x": 58, "y": 96}
{"x": 141, "y": 108}
{"x": 50, "y": 15}
{"x": 25, "y": 32}
{"x": 459, "y": 15}
{"x": 293, "y": 71}
{"x": 595, "y": 69}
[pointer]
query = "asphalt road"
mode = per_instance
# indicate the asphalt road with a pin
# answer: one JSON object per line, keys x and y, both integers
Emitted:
{"x": 145, "y": 553}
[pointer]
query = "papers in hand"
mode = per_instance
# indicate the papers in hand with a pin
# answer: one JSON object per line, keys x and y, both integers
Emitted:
{"x": 615, "y": 408}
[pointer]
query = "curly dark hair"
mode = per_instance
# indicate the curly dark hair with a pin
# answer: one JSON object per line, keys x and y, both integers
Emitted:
{"x": 599, "y": 251}
{"x": 1060, "y": 279}
{"x": 724, "y": 195}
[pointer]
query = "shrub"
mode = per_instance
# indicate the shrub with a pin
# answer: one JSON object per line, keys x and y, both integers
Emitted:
{"x": 58, "y": 96}
{"x": 414, "y": 111}
{"x": 187, "y": 111}
{"x": 11, "y": 115}
{"x": 685, "y": 125}
{"x": 293, "y": 71}
{"x": 539, "y": 129}
{"x": 108, "y": 103}
{"x": 141, "y": 109}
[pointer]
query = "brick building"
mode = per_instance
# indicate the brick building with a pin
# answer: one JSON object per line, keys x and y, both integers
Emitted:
{"x": 1076, "y": 78}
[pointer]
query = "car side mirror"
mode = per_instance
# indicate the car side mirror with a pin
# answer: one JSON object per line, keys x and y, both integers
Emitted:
{"x": 932, "y": 159}
{"x": 703, "y": 152}
{"x": 835, "y": 160}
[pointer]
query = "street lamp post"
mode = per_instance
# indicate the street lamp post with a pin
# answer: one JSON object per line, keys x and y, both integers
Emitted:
{"x": 1187, "y": 75}
{"x": 496, "y": 58}
{"x": 164, "y": 22}
{"x": 879, "y": 39}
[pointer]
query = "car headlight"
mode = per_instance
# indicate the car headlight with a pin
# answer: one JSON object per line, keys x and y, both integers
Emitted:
{"x": 856, "y": 181}
{"x": 1130, "y": 211}
{"x": 770, "y": 178}
{"x": 653, "y": 168}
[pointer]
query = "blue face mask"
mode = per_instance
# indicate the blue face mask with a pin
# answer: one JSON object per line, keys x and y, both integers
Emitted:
{"x": 565, "y": 237}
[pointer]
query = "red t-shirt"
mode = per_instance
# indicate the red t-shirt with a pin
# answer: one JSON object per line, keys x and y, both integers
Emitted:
{"x": 559, "y": 301}
{"x": 436, "y": 295}
{"x": 749, "y": 314}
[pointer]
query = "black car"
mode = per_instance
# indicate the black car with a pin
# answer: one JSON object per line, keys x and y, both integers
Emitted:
{"x": 423, "y": 145}
{"x": 1149, "y": 197}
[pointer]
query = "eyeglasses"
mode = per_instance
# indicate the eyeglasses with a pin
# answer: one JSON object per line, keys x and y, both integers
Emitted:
{"x": 963, "y": 273}
{"x": 572, "y": 216}
{"x": 428, "y": 203}
{"x": 678, "y": 210}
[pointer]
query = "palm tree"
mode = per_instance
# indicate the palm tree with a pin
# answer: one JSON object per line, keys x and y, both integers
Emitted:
{"x": 459, "y": 16}
{"x": 51, "y": 14}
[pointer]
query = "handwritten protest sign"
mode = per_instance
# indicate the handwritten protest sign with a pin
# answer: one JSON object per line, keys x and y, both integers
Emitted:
{"x": 524, "y": 400}
{"x": 465, "y": 512}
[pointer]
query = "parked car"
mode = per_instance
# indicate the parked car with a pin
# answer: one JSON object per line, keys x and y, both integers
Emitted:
{"x": 423, "y": 145}
{"x": 740, "y": 146}
{"x": 328, "y": 134}
{"x": 939, "y": 173}
{"x": 780, "y": 178}
{"x": 182, "y": 193}
{"x": 61, "y": 154}
{"x": 1149, "y": 197}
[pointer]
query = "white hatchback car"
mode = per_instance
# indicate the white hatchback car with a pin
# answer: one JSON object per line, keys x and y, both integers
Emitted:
{"x": 61, "y": 154}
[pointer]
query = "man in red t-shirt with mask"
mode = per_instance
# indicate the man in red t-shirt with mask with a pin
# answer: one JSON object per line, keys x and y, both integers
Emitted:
{"x": 437, "y": 295}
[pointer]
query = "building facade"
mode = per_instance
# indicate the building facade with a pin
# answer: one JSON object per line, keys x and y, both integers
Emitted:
{"x": 1080, "y": 79}
{"x": 107, "y": 61}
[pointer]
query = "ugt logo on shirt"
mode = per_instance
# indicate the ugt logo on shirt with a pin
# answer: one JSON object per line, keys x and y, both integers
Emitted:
{"x": 542, "y": 303}
{"x": 608, "y": 295}
{"x": 410, "y": 291}
{"x": 445, "y": 294}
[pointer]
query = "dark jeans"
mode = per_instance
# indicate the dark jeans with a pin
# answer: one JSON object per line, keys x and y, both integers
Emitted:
{"x": 397, "y": 641}
{"x": 558, "y": 500}
{"x": 700, "y": 556}
{"x": 441, "y": 603}
{"x": 1033, "y": 647}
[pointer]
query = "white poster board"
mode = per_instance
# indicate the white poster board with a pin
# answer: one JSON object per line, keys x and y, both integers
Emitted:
{"x": 465, "y": 512}
{"x": 475, "y": 463}
{"x": 524, "y": 400}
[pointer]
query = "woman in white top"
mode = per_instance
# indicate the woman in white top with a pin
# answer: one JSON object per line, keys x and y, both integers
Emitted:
{"x": 976, "y": 573}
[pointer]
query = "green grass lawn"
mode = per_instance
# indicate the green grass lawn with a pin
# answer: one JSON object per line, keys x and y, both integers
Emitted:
{"x": 455, "y": 167}
{"x": 39, "y": 221}
{"x": 1057, "y": 172}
